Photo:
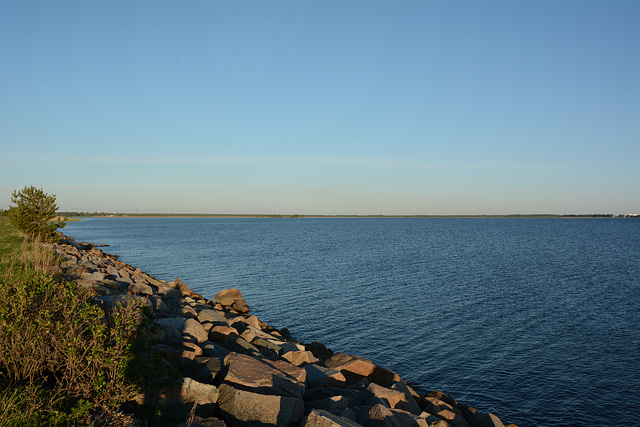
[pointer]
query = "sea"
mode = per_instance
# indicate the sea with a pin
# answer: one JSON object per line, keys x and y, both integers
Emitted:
{"x": 536, "y": 320}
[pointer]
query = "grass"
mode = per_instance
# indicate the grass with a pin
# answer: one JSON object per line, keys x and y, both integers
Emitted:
{"x": 10, "y": 241}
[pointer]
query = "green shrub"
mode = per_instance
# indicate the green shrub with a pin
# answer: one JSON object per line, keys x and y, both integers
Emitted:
{"x": 68, "y": 357}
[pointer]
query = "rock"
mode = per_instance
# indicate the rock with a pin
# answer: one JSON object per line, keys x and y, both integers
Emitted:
{"x": 140, "y": 288}
{"x": 194, "y": 331}
{"x": 241, "y": 307}
{"x": 96, "y": 276}
{"x": 392, "y": 398}
{"x": 171, "y": 334}
{"x": 333, "y": 403}
{"x": 356, "y": 397}
{"x": 95, "y": 287}
{"x": 381, "y": 416}
{"x": 299, "y": 358}
{"x": 445, "y": 411}
{"x": 410, "y": 396}
{"x": 355, "y": 368}
{"x": 253, "y": 321}
{"x": 322, "y": 418}
{"x": 265, "y": 376}
{"x": 321, "y": 376}
{"x": 204, "y": 369}
{"x": 176, "y": 322}
{"x": 227, "y": 297}
{"x": 241, "y": 407}
{"x": 203, "y": 422}
{"x": 211, "y": 349}
{"x": 179, "y": 400}
{"x": 158, "y": 306}
{"x": 490, "y": 420}
{"x": 319, "y": 350}
{"x": 221, "y": 333}
{"x": 178, "y": 356}
{"x": 212, "y": 316}
{"x": 269, "y": 345}
{"x": 169, "y": 292}
{"x": 112, "y": 301}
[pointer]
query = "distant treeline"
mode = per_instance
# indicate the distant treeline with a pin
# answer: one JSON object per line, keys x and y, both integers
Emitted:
{"x": 185, "y": 215}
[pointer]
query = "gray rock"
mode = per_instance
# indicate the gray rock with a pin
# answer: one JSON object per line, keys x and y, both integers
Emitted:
{"x": 213, "y": 316}
{"x": 204, "y": 369}
{"x": 112, "y": 301}
{"x": 171, "y": 334}
{"x": 176, "y": 322}
{"x": 241, "y": 407}
{"x": 140, "y": 288}
{"x": 179, "y": 356}
{"x": 265, "y": 376}
{"x": 96, "y": 275}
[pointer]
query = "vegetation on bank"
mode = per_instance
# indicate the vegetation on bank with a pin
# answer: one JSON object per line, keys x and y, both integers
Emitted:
{"x": 34, "y": 212}
{"x": 63, "y": 360}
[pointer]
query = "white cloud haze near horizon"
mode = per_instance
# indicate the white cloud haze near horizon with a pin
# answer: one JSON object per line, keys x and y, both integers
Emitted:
{"x": 363, "y": 107}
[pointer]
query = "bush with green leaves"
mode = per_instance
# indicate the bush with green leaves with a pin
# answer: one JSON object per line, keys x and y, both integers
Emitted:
{"x": 65, "y": 353}
{"x": 33, "y": 212}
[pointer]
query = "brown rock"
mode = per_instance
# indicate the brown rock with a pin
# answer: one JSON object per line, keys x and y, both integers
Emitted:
{"x": 221, "y": 333}
{"x": 227, "y": 297}
{"x": 355, "y": 368}
{"x": 392, "y": 398}
{"x": 299, "y": 358}
{"x": 241, "y": 307}
{"x": 381, "y": 416}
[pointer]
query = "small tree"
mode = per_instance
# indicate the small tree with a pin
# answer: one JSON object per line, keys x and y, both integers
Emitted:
{"x": 33, "y": 211}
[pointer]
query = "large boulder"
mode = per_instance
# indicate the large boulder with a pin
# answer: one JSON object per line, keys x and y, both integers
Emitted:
{"x": 265, "y": 376}
{"x": 242, "y": 407}
{"x": 227, "y": 297}
{"x": 194, "y": 331}
{"x": 212, "y": 316}
{"x": 355, "y": 368}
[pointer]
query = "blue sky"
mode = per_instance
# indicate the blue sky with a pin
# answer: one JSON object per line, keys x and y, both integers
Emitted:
{"x": 325, "y": 107}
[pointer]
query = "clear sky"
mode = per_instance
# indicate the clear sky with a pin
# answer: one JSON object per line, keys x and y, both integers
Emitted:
{"x": 325, "y": 107}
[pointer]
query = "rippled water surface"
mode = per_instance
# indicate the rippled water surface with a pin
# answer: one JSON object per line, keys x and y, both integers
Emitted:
{"x": 536, "y": 320}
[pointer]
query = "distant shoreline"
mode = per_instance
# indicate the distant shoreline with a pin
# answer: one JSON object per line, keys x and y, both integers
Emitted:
{"x": 299, "y": 216}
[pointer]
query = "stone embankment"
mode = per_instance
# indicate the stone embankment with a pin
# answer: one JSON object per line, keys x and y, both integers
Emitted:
{"x": 238, "y": 371}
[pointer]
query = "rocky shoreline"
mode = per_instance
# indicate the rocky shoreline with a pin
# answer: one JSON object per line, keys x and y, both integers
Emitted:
{"x": 238, "y": 371}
